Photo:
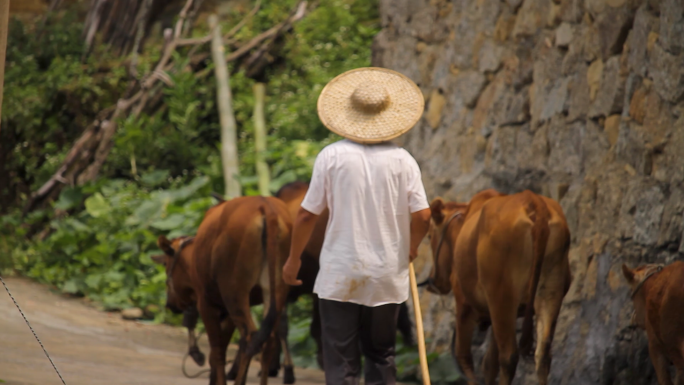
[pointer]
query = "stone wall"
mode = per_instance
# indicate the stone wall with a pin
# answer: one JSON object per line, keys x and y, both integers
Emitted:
{"x": 580, "y": 100}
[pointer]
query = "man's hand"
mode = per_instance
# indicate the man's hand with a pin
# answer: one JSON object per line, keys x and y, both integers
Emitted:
{"x": 413, "y": 254}
{"x": 420, "y": 223}
{"x": 301, "y": 232}
{"x": 290, "y": 271}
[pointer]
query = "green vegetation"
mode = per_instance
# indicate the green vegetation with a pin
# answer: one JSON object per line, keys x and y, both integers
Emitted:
{"x": 96, "y": 239}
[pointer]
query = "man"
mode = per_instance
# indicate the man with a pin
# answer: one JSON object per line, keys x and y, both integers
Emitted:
{"x": 379, "y": 214}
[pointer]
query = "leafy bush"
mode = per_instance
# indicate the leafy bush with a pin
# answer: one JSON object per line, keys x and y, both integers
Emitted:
{"x": 164, "y": 164}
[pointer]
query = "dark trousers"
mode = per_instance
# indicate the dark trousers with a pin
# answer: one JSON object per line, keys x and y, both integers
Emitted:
{"x": 348, "y": 330}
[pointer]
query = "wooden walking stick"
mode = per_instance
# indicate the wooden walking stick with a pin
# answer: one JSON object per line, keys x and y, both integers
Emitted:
{"x": 419, "y": 326}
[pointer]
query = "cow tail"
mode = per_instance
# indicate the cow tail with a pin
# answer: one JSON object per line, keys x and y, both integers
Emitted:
{"x": 270, "y": 250}
{"x": 539, "y": 214}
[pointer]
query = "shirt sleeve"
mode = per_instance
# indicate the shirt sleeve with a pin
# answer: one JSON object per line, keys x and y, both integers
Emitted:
{"x": 417, "y": 198}
{"x": 315, "y": 200}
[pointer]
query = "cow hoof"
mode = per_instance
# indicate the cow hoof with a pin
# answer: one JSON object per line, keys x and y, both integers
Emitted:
{"x": 288, "y": 375}
{"x": 271, "y": 373}
{"x": 231, "y": 375}
{"x": 198, "y": 357}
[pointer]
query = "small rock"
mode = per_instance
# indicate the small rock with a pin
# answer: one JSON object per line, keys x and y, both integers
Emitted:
{"x": 594, "y": 74}
{"x": 564, "y": 35}
{"x": 132, "y": 313}
{"x": 612, "y": 128}
{"x": 434, "y": 110}
{"x": 637, "y": 106}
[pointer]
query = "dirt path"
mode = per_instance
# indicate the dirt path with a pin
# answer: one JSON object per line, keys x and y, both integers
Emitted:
{"x": 92, "y": 347}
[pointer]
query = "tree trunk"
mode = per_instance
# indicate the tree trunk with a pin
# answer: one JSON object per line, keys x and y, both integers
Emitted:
{"x": 4, "y": 24}
{"x": 260, "y": 140}
{"x": 231, "y": 173}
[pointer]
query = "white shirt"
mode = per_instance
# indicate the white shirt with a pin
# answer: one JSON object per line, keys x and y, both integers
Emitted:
{"x": 370, "y": 190}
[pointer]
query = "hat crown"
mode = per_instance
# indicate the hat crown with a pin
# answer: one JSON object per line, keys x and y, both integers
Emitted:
{"x": 370, "y": 97}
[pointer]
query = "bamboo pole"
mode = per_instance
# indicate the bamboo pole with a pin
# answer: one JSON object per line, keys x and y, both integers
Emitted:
{"x": 260, "y": 139}
{"x": 229, "y": 157}
{"x": 4, "y": 25}
{"x": 419, "y": 326}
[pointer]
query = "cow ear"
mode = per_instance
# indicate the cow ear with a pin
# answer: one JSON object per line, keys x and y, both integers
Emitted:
{"x": 160, "y": 259}
{"x": 165, "y": 245}
{"x": 628, "y": 273}
{"x": 437, "y": 210}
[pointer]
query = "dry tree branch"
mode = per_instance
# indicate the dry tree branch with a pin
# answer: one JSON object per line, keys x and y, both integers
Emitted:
{"x": 86, "y": 157}
{"x": 242, "y": 22}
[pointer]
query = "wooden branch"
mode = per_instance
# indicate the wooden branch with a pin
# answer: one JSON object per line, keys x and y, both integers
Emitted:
{"x": 254, "y": 63}
{"x": 86, "y": 157}
{"x": 271, "y": 32}
{"x": 260, "y": 140}
{"x": 194, "y": 41}
{"x": 229, "y": 157}
{"x": 242, "y": 22}
{"x": 139, "y": 34}
{"x": 181, "y": 18}
{"x": 187, "y": 27}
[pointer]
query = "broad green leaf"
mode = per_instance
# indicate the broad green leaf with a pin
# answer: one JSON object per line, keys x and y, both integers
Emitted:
{"x": 154, "y": 178}
{"x": 69, "y": 198}
{"x": 97, "y": 206}
{"x": 169, "y": 223}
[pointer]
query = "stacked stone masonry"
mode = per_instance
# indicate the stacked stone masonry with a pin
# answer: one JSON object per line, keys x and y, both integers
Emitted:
{"x": 580, "y": 100}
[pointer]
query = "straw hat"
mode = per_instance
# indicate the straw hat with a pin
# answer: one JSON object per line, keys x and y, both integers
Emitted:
{"x": 370, "y": 105}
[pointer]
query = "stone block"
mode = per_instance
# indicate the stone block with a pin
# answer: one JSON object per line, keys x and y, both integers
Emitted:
{"x": 672, "y": 26}
{"x": 637, "y": 42}
{"x": 612, "y": 128}
{"x": 667, "y": 71}
{"x": 489, "y": 57}
{"x": 435, "y": 107}
{"x": 579, "y": 99}
{"x": 637, "y": 105}
{"x": 610, "y": 92}
{"x": 594, "y": 75}
{"x": 531, "y": 17}
{"x": 564, "y": 35}
{"x": 612, "y": 26}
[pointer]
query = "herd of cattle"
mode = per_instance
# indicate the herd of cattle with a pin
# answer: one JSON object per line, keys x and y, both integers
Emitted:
{"x": 503, "y": 257}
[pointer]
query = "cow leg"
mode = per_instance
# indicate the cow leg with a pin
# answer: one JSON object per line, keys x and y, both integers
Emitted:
{"x": 266, "y": 357}
{"x": 465, "y": 326}
{"x": 660, "y": 362}
{"x": 228, "y": 330}
{"x": 503, "y": 307}
{"x": 190, "y": 317}
{"x": 238, "y": 308}
{"x": 547, "y": 307}
{"x": 490, "y": 365}
{"x": 274, "y": 366}
{"x": 288, "y": 366}
{"x": 217, "y": 344}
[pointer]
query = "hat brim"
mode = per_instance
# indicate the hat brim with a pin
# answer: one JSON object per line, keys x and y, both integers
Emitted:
{"x": 405, "y": 107}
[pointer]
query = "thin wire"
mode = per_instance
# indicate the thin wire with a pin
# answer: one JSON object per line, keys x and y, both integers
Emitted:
{"x": 32, "y": 331}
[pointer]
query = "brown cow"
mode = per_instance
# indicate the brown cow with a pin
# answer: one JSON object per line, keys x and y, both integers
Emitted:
{"x": 181, "y": 298}
{"x": 499, "y": 255}
{"x": 658, "y": 297}
{"x": 240, "y": 244}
